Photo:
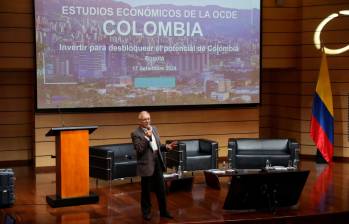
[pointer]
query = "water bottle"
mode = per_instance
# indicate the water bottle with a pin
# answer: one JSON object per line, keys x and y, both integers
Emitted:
{"x": 229, "y": 165}
{"x": 223, "y": 165}
{"x": 179, "y": 171}
{"x": 267, "y": 164}
{"x": 295, "y": 163}
{"x": 289, "y": 165}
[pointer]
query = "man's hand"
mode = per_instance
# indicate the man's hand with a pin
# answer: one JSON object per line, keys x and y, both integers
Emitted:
{"x": 172, "y": 145}
{"x": 149, "y": 132}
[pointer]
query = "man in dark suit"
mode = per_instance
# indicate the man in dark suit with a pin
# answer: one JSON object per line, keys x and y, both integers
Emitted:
{"x": 150, "y": 164}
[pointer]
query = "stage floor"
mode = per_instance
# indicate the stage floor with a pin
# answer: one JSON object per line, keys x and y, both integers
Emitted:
{"x": 325, "y": 199}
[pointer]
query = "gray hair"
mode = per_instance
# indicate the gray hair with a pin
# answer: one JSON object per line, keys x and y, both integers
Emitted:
{"x": 143, "y": 113}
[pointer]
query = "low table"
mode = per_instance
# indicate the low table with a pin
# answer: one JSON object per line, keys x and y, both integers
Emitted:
{"x": 175, "y": 183}
{"x": 212, "y": 177}
{"x": 265, "y": 190}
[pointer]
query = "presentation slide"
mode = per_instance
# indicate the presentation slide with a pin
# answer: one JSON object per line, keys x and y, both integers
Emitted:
{"x": 128, "y": 53}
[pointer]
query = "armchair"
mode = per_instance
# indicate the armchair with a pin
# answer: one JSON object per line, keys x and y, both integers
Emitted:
{"x": 114, "y": 161}
{"x": 252, "y": 153}
{"x": 109, "y": 162}
{"x": 194, "y": 154}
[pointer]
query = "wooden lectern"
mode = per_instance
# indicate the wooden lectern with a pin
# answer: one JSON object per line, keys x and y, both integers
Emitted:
{"x": 72, "y": 167}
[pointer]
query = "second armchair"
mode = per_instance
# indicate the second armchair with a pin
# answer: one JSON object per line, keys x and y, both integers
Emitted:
{"x": 194, "y": 154}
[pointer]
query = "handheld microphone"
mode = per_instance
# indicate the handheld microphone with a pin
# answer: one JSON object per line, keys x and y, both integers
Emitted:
{"x": 149, "y": 129}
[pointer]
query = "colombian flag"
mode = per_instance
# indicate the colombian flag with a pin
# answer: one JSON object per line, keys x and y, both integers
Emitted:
{"x": 321, "y": 128}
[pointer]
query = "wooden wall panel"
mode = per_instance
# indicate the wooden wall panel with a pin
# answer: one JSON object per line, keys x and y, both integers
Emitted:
{"x": 11, "y": 22}
{"x": 15, "y": 130}
{"x": 291, "y": 113}
{"x": 284, "y": 39}
{"x": 334, "y": 62}
{"x": 322, "y": 2}
{"x": 281, "y": 103}
{"x": 309, "y": 51}
{"x": 16, "y": 116}
{"x": 44, "y": 161}
{"x": 22, "y": 104}
{"x": 16, "y": 155}
{"x": 286, "y": 124}
{"x": 16, "y": 80}
{"x": 336, "y": 75}
{"x": 17, "y": 21}
{"x": 286, "y": 3}
{"x": 279, "y": 62}
{"x": 17, "y": 6}
{"x": 16, "y": 35}
{"x": 24, "y": 50}
{"x": 16, "y": 91}
{"x": 328, "y": 37}
{"x": 338, "y": 151}
{"x": 218, "y": 125}
{"x": 280, "y": 133}
{"x": 274, "y": 51}
{"x": 337, "y": 88}
{"x": 283, "y": 88}
{"x": 281, "y": 75}
{"x": 284, "y": 13}
{"x": 281, "y": 28}
{"x": 321, "y": 11}
{"x": 309, "y": 25}
{"x": 282, "y": 100}
{"x": 130, "y": 118}
{"x": 16, "y": 64}
{"x": 18, "y": 142}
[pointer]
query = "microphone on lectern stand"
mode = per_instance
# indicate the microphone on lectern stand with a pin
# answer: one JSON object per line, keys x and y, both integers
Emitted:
{"x": 60, "y": 115}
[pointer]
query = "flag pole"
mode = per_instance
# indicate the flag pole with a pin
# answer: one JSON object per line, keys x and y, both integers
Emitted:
{"x": 322, "y": 120}
{"x": 319, "y": 159}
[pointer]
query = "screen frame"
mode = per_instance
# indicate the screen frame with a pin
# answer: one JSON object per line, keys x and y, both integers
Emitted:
{"x": 149, "y": 107}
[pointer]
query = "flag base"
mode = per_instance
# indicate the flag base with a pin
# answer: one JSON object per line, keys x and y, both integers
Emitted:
{"x": 319, "y": 158}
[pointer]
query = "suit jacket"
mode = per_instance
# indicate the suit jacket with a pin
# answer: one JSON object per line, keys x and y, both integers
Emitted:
{"x": 145, "y": 154}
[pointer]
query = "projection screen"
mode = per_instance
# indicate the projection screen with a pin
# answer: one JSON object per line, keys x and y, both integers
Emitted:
{"x": 107, "y": 54}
